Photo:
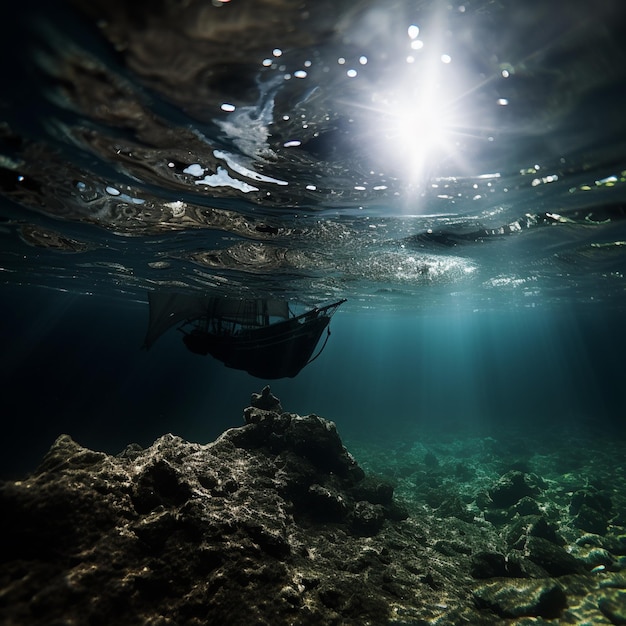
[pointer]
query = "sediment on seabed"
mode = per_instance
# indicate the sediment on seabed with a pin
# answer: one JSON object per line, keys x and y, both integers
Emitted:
{"x": 276, "y": 523}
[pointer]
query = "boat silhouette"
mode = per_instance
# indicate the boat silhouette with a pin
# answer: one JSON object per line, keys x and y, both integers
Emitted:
{"x": 263, "y": 337}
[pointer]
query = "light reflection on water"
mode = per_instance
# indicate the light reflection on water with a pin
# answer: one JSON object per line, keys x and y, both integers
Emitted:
{"x": 379, "y": 151}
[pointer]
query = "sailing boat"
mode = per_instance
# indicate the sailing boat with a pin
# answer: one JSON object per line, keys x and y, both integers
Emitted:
{"x": 264, "y": 337}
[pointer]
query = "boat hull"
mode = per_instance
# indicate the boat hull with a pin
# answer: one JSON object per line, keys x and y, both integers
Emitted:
{"x": 278, "y": 351}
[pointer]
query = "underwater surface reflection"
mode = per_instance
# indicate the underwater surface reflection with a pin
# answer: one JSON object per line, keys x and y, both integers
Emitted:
{"x": 402, "y": 155}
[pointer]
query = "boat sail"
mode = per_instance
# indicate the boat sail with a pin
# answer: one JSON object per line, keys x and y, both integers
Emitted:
{"x": 260, "y": 336}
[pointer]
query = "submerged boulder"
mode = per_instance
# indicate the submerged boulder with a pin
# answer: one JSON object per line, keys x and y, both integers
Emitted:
{"x": 613, "y": 606}
{"x": 526, "y": 526}
{"x": 554, "y": 559}
{"x": 488, "y": 565}
{"x": 266, "y": 400}
{"x": 522, "y": 598}
{"x": 591, "y": 510}
{"x": 185, "y": 533}
{"x": 511, "y": 488}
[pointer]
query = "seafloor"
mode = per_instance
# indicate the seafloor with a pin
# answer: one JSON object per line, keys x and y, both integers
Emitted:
{"x": 276, "y": 523}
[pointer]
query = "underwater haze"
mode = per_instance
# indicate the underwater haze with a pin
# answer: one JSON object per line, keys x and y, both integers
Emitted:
{"x": 446, "y": 179}
{"x": 456, "y": 170}
{"x": 73, "y": 364}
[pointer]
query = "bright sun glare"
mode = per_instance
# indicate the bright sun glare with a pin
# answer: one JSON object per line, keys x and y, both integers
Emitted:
{"x": 419, "y": 133}
{"x": 421, "y": 123}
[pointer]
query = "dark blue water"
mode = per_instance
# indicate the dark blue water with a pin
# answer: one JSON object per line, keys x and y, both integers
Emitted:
{"x": 455, "y": 170}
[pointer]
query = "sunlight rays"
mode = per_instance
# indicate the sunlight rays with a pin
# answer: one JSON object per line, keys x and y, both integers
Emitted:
{"x": 427, "y": 107}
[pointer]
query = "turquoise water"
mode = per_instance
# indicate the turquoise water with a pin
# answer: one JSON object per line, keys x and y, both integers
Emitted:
{"x": 74, "y": 364}
{"x": 455, "y": 170}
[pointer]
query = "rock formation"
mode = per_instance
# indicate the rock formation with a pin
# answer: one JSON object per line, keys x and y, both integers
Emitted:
{"x": 276, "y": 523}
{"x": 255, "y": 528}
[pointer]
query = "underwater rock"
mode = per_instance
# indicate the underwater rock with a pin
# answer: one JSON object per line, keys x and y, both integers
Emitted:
{"x": 454, "y": 507}
{"x": 377, "y": 491}
{"x": 451, "y": 547}
{"x": 597, "y": 557}
{"x": 593, "y": 499}
{"x": 521, "y": 528}
{"x": 554, "y": 559}
{"x": 373, "y": 490}
{"x": 488, "y": 565}
{"x": 591, "y": 510}
{"x": 326, "y": 504}
{"x": 615, "y": 544}
{"x": 591, "y": 520}
{"x": 511, "y": 488}
{"x": 310, "y": 437}
{"x": 521, "y": 598}
{"x": 613, "y": 606}
{"x": 367, "y": 518}
{"x": 276, "y": 523}
{"x": 184, "y": 533}
{"x": 519, "y": 566}
{"x": 526, "y": 506}
{"x": 266, "y": 400}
